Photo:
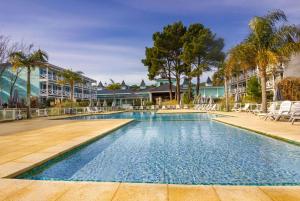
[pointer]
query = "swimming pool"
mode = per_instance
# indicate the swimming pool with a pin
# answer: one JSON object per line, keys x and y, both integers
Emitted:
{"x": 177, "y": 149}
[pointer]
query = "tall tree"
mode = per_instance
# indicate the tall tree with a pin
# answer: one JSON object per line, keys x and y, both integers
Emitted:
{"x": 273, "y": 42}
{"x": 202, "y": 50}
{"x": 71, "y": 78}
{"x": 164, "y": 58}
{"x": 29, "y": 61}
{"x": 158, "y": 65}
{"x": 241, "y": 59}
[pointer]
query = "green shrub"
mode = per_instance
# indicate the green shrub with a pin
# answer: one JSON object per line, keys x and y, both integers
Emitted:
{"x": 253, "y": 90}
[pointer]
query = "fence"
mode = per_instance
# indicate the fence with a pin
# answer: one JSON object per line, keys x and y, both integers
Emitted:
{"x": 10, "y": 114}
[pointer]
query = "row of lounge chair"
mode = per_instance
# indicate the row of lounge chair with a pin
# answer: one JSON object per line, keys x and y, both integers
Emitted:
{"x": 287, "y": 109}
{"x": 206, "y": 107}
{"x": 174, "y": 107}
{"x": 93, "y": 110}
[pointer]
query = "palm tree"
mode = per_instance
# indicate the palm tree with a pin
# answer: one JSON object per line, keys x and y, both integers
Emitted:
{"x": 243, "y": 56}
{"x": 272, "y": 42}
{"x": 29, "y": 61}
{"x": 70, "y": 77}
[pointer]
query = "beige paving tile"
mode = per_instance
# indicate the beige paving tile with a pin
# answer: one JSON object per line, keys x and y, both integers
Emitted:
{"x": 192, "y": 193}
{"x": 279, "y": 129}
{"x": 41, "y": 191}
{"x": 141, "y": 192}
{"x": 36, "y": 158}
{"x": 285, "y": 193}
{"x": 241, "y": 193}
{"x": 54, "y": 149}
{"x": 13, "y": 168}
{"x": 11, "y": 156}
{"x": 11, "y": 186}
{"x": 92, "y": 191}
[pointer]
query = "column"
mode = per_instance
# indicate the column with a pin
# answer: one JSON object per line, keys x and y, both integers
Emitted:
{"x": 47, "y": 82}
{"x": 82, "y": 94}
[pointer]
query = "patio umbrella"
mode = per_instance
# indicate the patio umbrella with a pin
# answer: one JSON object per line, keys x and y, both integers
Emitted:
{"x": 113, "y": 103}
{"x": 277, "y": 95}
{"x": 98, "y": 104}
{"x": 104, "y": 103}
{"x": 237, "y": 98}
{"x": 211, "y": 101}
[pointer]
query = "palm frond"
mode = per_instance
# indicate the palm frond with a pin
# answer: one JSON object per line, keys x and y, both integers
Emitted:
{"x": 275, "y": 16}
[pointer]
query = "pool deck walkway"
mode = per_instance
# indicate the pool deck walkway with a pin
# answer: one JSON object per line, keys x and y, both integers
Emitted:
{"x": 26, "y": 144}
{"x": 283, "y": 130}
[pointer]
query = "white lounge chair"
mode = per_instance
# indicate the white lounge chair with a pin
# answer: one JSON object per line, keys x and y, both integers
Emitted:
{"x": 236, "y": 107}
{"x": 271, "y": 110}
{"x": 88, "y": 109}
{"x": 246, "y": 108}
{"x": 178, "y": 107}
{"x": 257, "y": 109}
{"x": 295, "y": 112}
{"x": 95, "y": 109}
{"x": 208, "y": 107}
{"x": 213, "y": 107}
{"x": 284, "y": 111}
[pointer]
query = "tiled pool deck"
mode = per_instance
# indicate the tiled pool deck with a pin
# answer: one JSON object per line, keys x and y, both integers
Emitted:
{"x": 26, "y": 144}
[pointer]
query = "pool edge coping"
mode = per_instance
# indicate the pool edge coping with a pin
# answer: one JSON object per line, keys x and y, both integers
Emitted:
{"x": 128, "y": 121}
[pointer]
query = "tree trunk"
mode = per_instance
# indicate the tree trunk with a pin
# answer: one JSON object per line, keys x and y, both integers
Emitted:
{"x": 28, "y": 93}
{"x": 190, "y": 88}
{"x": 226, "y": 95}
{"x": 237, "y": 85}
{"x": 263, "y": 92}
{"x": 12, "y": 85}
{"x": 198, "y": 85}
{"x": 72, "y": 92}
{"x": 170, "y": 87}
{"x": 246, "y": 80}
{"x": 178, "y": 87}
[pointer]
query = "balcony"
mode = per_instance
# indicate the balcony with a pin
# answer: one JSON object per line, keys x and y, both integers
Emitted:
{"x": 241, "y": 90}
{"x": 58, "y": 93}
{"x": 269, "y": 85}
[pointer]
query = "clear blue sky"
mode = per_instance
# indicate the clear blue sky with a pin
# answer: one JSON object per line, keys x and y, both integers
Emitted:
{"x": 106, "y": 39}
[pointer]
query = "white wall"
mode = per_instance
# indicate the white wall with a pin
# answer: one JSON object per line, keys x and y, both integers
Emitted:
{"x": 293, "y": 68}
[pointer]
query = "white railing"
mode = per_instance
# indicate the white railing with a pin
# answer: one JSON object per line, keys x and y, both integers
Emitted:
{"x": 240, "y": 90}
{"x": 11, "y": 114}
{"x": 43, "y": 76}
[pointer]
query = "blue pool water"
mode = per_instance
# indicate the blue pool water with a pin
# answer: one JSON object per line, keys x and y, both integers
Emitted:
{"x": 179, "y": 149}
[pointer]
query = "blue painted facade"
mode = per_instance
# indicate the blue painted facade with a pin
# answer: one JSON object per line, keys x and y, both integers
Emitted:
{"x": 21, "y": 83}
{"x": 44, "y": 85}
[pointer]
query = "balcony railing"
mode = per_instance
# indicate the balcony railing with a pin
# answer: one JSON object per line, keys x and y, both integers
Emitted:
{"x": 60, "y": 93}
{"x": 240, "y": 90}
